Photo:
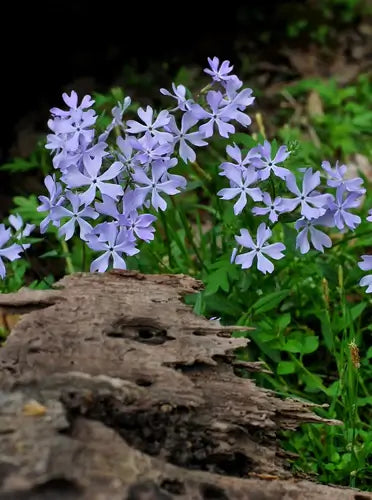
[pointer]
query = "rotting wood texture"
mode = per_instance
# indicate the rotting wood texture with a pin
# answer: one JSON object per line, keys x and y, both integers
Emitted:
{"x": 111, "y": 388}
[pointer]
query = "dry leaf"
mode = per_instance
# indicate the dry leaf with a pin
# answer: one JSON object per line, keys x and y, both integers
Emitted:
{"x": 34, "y": 409}
{"x": 314, "y": 104}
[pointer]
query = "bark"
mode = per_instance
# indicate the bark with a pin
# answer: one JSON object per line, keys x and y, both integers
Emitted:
{"x": 112, "y": 388}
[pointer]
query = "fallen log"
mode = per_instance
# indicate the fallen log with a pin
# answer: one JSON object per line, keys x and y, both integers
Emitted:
{"x": 111, "y": 388}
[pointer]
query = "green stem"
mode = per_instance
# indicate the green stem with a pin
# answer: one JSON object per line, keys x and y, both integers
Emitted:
{"x": 83, "y": 260}
{"x": 66, "y": 251}
{"x": 41, "y": 278}
{"x": 167, "y": 239}
{"x": 351, "y": 237}
{"x": 189, "y": 235}
{"x": 200, "y": 172}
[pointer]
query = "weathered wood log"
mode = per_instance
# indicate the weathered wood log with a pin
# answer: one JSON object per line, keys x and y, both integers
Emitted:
{"x": 111, "y": 388}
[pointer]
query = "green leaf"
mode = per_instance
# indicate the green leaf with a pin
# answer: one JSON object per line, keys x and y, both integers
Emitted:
{"x": 244, "y": 139}
{"x": 301, "y": 343}
{"x": 269, "y": 301}
{"x": 285, "y": 368}
{"x": 366, "y": 401}
{"x": 219, "y": 279}
{"x": 283, "y": 321}
{"x": 51, "y": 253}
{"x": 311, "y": 344}
{"x": 27, "y": 208}
{"x": 326, "y": 328}
{"x": 343, "y": 323}
{"x": 218, "y": 305}
{"x": 20, "y": 165}
{"x": 313, "y": 382}
{"x": 293, "y": 345}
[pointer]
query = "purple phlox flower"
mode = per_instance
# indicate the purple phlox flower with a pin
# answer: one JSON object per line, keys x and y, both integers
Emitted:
{"x": 55, "y": 199}
{"x": 149, "y": 149}
{"x": 65, "y": 159}
{"x": 179, "y": 93}
{"x": 273, "y": 207}
{"x": 313, "y": 204}
{"x": 73, "y": 129}
{"x": 117, "y": 118}
{"x": 369, "y": 218}
{"x": 219, "y": 73}
{"x": 113, "y": 242}
{"x": 366, "y": 265}
{"x": 341, "y": 204}
{"x": 17, "y": 223}
{"x": 56, "y": 143}
{"x": 318, "y": 239}
{"x": 219, "y": 115}
{"x": 266, "y": 164}
{"x": 336, "y": 177}
{"x": 240, "y": 99}
{"x": 138, "y": 224}
{"x": 182, "y": 136}
{"x": 75, "y": 215}
{"x": 151, "y": 125}
{"x": 91, "y": 178}
{"x": 126, "y": 153}
{"x": 108, "y": 207}
{"x": 11, "y": 252}
{"x": 233, "y": 255}
{"x": 259, "y": 249}
{"x": 241, "y": 163}
{"x": 240, "y": 182}
{"x": 119, "y": 110}
{"x": 72, "y": 102}
{"x": 180, "y": 180}
{"x": 131, "y": 200}
{"x": 155, "y": 185}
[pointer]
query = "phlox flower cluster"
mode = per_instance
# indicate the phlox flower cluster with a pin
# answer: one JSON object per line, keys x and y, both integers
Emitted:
{"x": 107, "y": 187}
{"x": 13, "y": 240}
{"x": 320, "y": 199}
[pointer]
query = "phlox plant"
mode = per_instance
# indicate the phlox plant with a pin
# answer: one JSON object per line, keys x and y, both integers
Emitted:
{"x": 188, "y": 189}
{"x": 108, "y": 186}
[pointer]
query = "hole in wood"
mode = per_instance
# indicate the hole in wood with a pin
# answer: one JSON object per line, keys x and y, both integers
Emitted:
{"x": 56, "y": 486}
{"x": 155, "y": 336}
{"x": 211, "y": 492}
{"x": 173, "y": 486}
{"x": 198, "y": 333}
{"x": 144, "y": 382}
{"x": 148, "y": 334}
{"x": 231, "y": 464}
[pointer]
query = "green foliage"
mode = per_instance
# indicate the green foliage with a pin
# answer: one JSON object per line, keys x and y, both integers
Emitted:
{"x": 320, "y": 21}
{"x": 306, "y": 316}
{"x": 38, "y": 160}
{"x": 343, "y": 126}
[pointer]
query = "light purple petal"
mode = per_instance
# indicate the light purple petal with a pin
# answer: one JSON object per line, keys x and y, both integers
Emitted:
{"x": 245, "y": 239}
{"x": 263, "y": 234}
{"x": 245, "y": 259}
{"x": 263, "y": 264}
{"x": 366, "y": 263}
{"x": 101, "y": 263}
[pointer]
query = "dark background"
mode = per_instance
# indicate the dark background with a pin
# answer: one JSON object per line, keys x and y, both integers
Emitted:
{"x": 47, "y": 47}
{"x": 50, "y": 47}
